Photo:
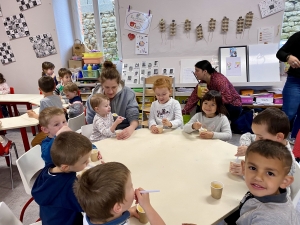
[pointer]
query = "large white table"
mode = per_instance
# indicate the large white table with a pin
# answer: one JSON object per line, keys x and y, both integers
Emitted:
{"x": 181, "y": 166}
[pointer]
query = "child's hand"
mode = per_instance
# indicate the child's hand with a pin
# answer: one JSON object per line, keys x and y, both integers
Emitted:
{"x": 31, "y": 113}
{"x": 241, "y": 151}
{"x": 236, "y": 169}
{"x": 63, "y": 129}
{"x": 166, "y": 122}
{"x": 119, "y": 120}
{"x": 142, "y": 199}
{"x": 154, "y": 129}
{"x": 133, "y": 212}
{"x": 207, "y": 135}
{"x": 99, "y": 155}
{"x": 196, "y": 125}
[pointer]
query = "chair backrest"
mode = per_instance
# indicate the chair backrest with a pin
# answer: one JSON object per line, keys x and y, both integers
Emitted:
{"x": 7, "y": 217}
{"x": 295, "y": 186}
{"x": 77, "y": 122}
{"x": 28, "y": 165}
{"x": 87, "y": 130}
{"x": 11, "y": 90}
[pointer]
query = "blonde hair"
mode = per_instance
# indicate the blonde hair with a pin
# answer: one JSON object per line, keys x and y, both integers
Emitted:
{"x": 49, "y": 112}
{"x": 63, "y": 71}
{"x": 70, "y": 87}
{"x": 96, "y": 100}
{"x": 162, "y": 83}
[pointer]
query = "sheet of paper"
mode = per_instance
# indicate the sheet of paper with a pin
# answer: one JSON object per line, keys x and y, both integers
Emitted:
{"x": 137, "y": 21}
{"x": 141, "y": 46}
{"x": 265, "y": 35}
{"x": 187, "y": 67}
{"x": 233, "y": 66}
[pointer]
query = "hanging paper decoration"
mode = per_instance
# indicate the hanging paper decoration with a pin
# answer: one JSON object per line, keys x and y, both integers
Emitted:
{"x": 187, "y": 25}
{"x": 6, "y": 54}
{"x": 43, "y": 45}
{"x": 173, "y": 28}
{"x": 240, "y": 25}
{"x": 248, "y": 20}
{"x": 199, "y": 32}
{"x": 225, "y": 23}
{"x": 162, "y": 25}
{"x": 27, "y": 4}
{"x": 211, "y": 27}
{"x": 16, "y": 26}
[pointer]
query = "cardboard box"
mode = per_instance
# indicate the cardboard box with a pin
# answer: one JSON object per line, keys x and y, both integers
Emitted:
{"x": 75, "y": 64}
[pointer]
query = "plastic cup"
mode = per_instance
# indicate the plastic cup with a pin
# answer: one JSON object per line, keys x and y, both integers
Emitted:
{"x": 216, "y": 188}
{"x": 202, "y": 130}
{"x": 234, "y": 162}
{"x": 118, "y": 132}
{"x": 94, "y": 155}
{"x": 201, "y": 88}
{"x": 160, "y": 128}
{"x": 142, "y": 215}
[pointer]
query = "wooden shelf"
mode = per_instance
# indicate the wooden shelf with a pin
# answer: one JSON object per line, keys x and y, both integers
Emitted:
{"x": 87, "y": 78}
{"x": 87, "y": 85}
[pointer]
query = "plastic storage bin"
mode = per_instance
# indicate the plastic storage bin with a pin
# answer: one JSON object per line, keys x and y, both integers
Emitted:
{"x": 247, "y": 100}
{"x": 90, "y": 73}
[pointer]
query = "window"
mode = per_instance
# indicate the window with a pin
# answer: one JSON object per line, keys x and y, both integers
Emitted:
{"x": 98, "y": 27}
{"x": 291, "y": 20}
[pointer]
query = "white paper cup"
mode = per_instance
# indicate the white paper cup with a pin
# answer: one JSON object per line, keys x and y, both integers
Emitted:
{"x": 118, "y": 132}
{"x": 142, "y": 215}
{"x": 216, "y": 188}
{"x": 160, "y": 128}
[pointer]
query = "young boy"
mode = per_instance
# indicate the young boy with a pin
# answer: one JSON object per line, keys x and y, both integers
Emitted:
{"x": 272, "y": 124}
{"x": 105, "y": 193}
{"x": 52, "y": 121}
{"x": 266, "y": 167}
{"x": 53, "y": 188}
{"x": 65, "y": 77}
{"x": 75, "y": 101}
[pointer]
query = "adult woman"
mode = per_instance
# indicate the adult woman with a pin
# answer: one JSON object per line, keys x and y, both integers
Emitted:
{"x": 122, "y": 99}
{"x": 290, "y": 53}
{"x": 215, "y": 81}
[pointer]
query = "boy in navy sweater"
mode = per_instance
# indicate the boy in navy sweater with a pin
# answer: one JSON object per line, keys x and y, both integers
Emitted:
{"x": 53, "y": 188}
{"x": 75, "y": 101}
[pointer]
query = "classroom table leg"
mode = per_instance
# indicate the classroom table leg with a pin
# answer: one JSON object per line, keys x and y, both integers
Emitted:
{"x": 32, "y": 128}
{"x": 16, "y": 110}
{"x": 9, "y": 110}
{"x": 25, "y": 138}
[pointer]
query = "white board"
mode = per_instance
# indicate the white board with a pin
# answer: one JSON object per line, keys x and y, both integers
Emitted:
{"x": 263, "y": 64}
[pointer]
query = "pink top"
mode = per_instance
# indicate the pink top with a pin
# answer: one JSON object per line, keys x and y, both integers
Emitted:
{"x": 4, "y": 88}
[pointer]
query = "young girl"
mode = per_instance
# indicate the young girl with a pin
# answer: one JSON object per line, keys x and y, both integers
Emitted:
{"x": 165, "y": 110}
{"x": 103, "y": 124}
{"x": 48, "y": 70}
{"x": 212, "y": 119}
{"x": 4, "y": 89}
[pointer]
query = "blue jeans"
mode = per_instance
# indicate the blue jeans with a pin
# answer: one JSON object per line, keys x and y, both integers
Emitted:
{"x": 291, "y": 103}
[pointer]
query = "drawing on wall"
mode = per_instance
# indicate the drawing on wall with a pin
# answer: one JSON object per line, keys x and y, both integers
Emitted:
{"x": 137, "y": 21}
{"x": 168, "y": 71}
{"x": 233, "y": 66}
{"x": 141, "y": 44}
{"x": 1, "y": 12}
{"x": 269, "y": 7}
{"x": 16, "y": 26}
{"x": 6, "y": 54}
{"x": 43, "y": 45}
{"x": 27, "y": 4}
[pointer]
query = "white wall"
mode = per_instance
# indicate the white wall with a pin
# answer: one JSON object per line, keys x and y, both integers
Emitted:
{"x": 198, "y": 11}
{"x": 24, "y": 73}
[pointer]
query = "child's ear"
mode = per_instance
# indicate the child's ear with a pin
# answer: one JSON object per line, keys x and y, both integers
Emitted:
{"x": 45, "y": 129}
{"x": 117, "y": 209}
{"x": 287, "y": 181}
{"x": 65, "y": 168}
{"x": 280, "y": 136}
{"x": 243, "y": 167}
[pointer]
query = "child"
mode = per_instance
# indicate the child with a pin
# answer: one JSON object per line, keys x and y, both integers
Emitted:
{"x": 52, "y": 121}
{"x": 103, "y": 124}
{"x": 105, "y": 193}
{"x": 53, "y": 188}
{"x": 266, "y": 167}
{"x": 212, "y": 118}
{"x": 165, "y": 110}
{"x": 46, "y": 86}
{"x": 4, "y": 89}
{"x": 65, "y": 77}
{"x": 48, "y": 70}
{"x": 272, "y": 124}
{"x": 75, "y": 101}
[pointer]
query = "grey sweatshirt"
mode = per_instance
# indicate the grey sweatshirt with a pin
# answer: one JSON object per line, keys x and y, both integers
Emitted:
{"x": 124, "y": 104}
{"x": 218, "y": 124}
{"x": 171, "y": 110}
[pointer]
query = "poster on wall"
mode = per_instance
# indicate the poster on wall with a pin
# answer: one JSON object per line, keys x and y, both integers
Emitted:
{"x": 141, "y": 44}
{"x": 233, "y": 66}
{"x": 137, "y": 21}
{"x": 269, "y": 7}
{"x": 16, "y": 26}
{"x": 6, "y": 54}
{"x": 27, "y": 4}
{"x": 43, "y": 45}
{"x": 265, "y": 35}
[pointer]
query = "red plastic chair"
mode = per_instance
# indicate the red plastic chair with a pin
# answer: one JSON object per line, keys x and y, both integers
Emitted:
{"x": 5, "y": 152}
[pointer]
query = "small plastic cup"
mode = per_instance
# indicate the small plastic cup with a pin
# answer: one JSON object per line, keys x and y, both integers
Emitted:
{"x": 202, "y": 130}
{"x": 94, "y": 155}
{"x": 118, "y": 132}
{"x": 234, "y": 162}
{"x": 216, "y": 188}
{"x": 160, "y": 128}
{"x": 142, "y": 215}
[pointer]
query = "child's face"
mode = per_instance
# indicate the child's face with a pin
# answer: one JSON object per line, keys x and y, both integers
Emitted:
{"x": 103, "y": 108}
{"x": 70, "y": 95}
{"x": 66, "y": 79}
{"x": 82, "y": 162}
{"x": 209, "y": 107}
{"x": 55, "y": 123}
{"x": 162, "y": 94}
{"x": 264, "y": 176}
{"x": 129, "y": 194}
{"x": 49, "y": 72}
{"x": 261, "y": 132}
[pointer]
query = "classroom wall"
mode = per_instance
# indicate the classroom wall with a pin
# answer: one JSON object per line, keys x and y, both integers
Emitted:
{"x": 198, "y": 11}
{"x": 24, "y": 73}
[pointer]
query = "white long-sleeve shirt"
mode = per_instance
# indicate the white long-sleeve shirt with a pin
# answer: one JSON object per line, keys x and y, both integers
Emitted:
{"x": 4, "y": 88}
{"x": 218, "y": 124}
{"x": 171, "y": 110}
{"x": 101, "y": 127}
